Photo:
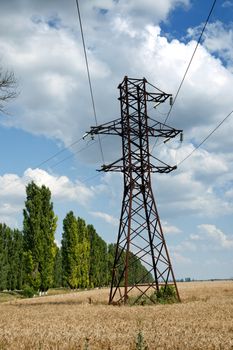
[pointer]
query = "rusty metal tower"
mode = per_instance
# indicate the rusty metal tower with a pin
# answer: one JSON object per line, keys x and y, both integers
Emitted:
{"x": 140, "y": 235}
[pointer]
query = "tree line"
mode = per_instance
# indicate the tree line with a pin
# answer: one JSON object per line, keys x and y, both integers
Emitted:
{"x": 31, "y": 258}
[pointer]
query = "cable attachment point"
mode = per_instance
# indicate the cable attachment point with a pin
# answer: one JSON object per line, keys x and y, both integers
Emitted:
{"x": 181, "y": 137}
{"x": 166, "y": 140}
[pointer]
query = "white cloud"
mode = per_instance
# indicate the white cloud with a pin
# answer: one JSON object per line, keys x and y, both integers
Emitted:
{"x": 218, "y": 38}
{"x": 150, "y": 10}
{"x": 170, "y": 228}
{"x": 52, "y": 77}
{"x": 195, "y": 237}
{"x": 178, "y": 258}
{"x": 61, "y": 187}
{"x": 106, "y": 217}
{"x": 185, "y": 246}
{"x": 219, "y": 237}
{"x": 13, "y": 194}
{"x": 227, "y": 3}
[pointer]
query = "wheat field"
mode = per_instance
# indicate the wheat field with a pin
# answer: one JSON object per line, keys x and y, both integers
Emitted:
{"x": 204, "y": 320}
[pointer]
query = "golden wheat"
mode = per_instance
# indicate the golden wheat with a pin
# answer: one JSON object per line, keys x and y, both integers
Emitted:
{"x": 204, "y": 320}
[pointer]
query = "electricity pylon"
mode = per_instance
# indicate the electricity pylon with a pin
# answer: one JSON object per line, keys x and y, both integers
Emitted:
{"x": 140, "y": 235}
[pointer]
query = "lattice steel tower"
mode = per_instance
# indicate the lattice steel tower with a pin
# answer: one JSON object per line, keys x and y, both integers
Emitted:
{"x": 140, "y": 235}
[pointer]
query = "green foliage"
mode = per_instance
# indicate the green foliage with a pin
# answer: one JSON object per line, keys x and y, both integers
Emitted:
{"x": 28, "y": 292}
{"x": 11, "y": 250}
{"x": 70, "y": 251}
{"x": 166, "y": 295}
{"x": 140, "y": 342}
{"x": 32, "y": 258}
{"x": 39, "y": 227}
{"x": 83, "y": 254}
{"x": 137, "y": 273}
{"x": 31, "y": 273}
{"x": 57, "y": 272}
{"x": 86, "y": 344}
{"x": 98, "y": 271}
{"x": 75, "y": 252}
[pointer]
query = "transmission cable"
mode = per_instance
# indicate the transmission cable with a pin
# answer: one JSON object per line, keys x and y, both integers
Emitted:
{"x": 79, "y": 151}
{"x": 205, "y": 139}
{"x": 89, "y": 77}
{"x": 59, "y": 152}
{"x": 189, "y": 64}
{"x": 71, "y": 156}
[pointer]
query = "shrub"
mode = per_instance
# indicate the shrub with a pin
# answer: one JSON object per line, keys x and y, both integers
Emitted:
{"x": 140, "y": 343}
{"x": 28, "y": 292}
{"x": 166, "y": 294}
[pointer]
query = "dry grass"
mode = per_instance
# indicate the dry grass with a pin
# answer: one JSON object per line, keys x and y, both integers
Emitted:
{"x": 204, "y": 320}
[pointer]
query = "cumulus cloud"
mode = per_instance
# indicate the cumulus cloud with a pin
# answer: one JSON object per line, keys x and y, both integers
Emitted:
{"x": 61, "y": 187}
{"x": 12, "y": 189}
{"x": 52, "y": 76}
{"x": 218, "y": 236}
{"x": 227, "y": 3}
{"x": 106, "y": 217}
{"x": 170, "y": 229}
{"x": 179, "y": 258}
{"x": 218, "y": 39}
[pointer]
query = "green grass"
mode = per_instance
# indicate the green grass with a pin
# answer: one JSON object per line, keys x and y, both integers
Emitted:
{"x": 9, "y": 296}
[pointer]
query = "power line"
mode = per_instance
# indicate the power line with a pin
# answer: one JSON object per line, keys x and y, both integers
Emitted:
{"x": 71, "y": 156}
{"x": 189, "y": 64}
{"x": 79, "y": 151}
{"x": 91, "y": 178}
{"x": 59, "y": 152}
{"x": 206, "y": 138}
{"x": 89, "y": 77}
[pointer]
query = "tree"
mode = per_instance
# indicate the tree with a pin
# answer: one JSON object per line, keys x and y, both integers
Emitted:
{"x": 57, "y": 272}
{"x": 75, "y": 252}
{"x": 69, "y": 249}
{"x": 4, "y": 256}
{"x": 7, "y": 87}
{"x": 39, "y": 228}
{"x": 98, "y": 272}
{"x": 11, "y": 252}
{"x": 15, "y": 279}
{"x": 83, "y": 254}
{"x": 136, "y": 270}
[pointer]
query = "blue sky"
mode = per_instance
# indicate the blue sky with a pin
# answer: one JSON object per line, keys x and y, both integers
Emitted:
{"x": 41, "y": 43}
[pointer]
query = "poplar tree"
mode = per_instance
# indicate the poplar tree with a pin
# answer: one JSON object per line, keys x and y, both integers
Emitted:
{"x": 69, "y": 250}
{"x": 15, "y": 279}
{"x": 4, "y": 256}
{"x": 98, "y": 272}
{"x": 57, "y": 272}
{"x": 83, "y": 254}
{"x": 39, "y": 228}
{"x": 11, "y": 251}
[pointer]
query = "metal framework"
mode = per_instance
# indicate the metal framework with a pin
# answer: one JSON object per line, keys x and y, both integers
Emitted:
{"x": 140, "y": 235}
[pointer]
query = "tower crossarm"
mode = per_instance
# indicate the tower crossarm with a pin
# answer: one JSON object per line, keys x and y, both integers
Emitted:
{"x": 118, "y": 166}
{"x": 111, "y": 128}
{"x": 158, "y": 129}
{"x": 156, "y": 97}
{"x": 115, "y": 128}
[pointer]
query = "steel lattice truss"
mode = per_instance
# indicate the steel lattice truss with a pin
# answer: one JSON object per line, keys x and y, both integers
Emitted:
{"x": 140, "y": 235}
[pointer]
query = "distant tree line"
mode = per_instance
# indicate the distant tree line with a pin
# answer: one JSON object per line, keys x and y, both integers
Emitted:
{"x": 32, "y": 259}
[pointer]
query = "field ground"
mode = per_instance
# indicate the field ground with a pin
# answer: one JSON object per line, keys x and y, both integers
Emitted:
{"x": 204, "y": 320}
